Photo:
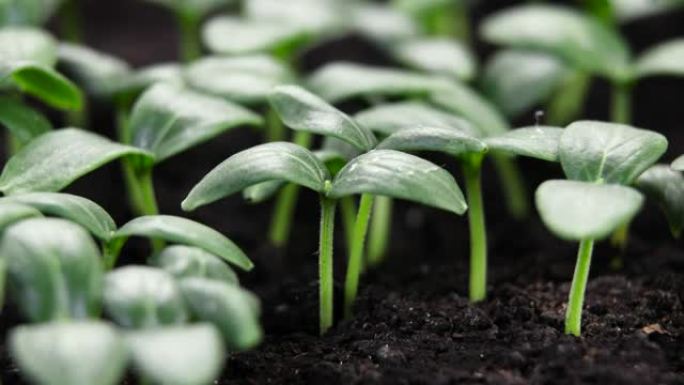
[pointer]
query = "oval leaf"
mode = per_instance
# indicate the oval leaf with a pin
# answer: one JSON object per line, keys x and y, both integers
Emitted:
{"x": 678, "y": 164}
{"x": 57, "y": 275}
{"x": 251, "y": 36}
{"x": 437, "y": 55}
{"x": 452, "y": 142}
{"x": 382, "y": 24}
{"x": 96, "y": 72}
{"x": 187, "y": 355}
{"x": 47, "y": 85}
{"x": 666, "y": 187}
{"x": 23, "y": 122}
{"x": 186, "y": 262}
{"x": 143, "y": 297}
{"x": 299, "y": 109}
{"x": 233, "y": 310}
{"x": 664, "y": 59}
{"x": 26, "y": 45}
{"x": 608, "y": 152}
{"x": 143, "y": 78}
{"x": 399, "y": 175}
{"x": 266, "y": 162}
{"x": 315, "y": 16}
{"x": 54, "y": 160}
{"x": 197, "y": 8}
{"x": 539, "y": 142}
{"x": 580, "y": 210}
{"x": 14, "y": 212}
{"x": 74, "y": 353}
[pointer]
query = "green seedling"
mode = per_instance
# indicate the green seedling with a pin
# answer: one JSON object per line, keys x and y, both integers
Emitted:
{"x": 446, "y": 18}
{"x": 380, "y": 172}
{"x": 600, "y": 160}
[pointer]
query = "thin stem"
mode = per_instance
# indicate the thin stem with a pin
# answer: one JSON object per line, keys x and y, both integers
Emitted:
{"x": 348, "y": 211}
{"x": 325, "y": 263}
{"x": 621, "y": 108}
{"x": 568, "y": 100}
{"x": 71, "y": 22}
{"x": 351, "y": 284}
{"x": 478, "y": 233}
{"x": 275, "y": 130}
{"x": 513, "y": 186}
{"x": 190, "y": 47}
{"x": 573, "y": 316}
{"x": 381, "y": 224}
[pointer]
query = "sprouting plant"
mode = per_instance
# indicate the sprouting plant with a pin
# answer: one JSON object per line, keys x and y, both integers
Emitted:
{"x": 600, "y": 160}
{"x": 380, "y": 172}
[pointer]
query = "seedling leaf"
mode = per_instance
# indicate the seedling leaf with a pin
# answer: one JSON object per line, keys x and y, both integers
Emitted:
{"x": 678, "y": 164}
{"x": 26, "y": 12}
{"x": 15, "y": 212}
{"x": 251, "y": 36}
{"x": 46, "y": 84}
{"x": 49, "y": 163}
{"x": 666, "y": 187}
{"x": 383, "y": 24}
{"x": 187, "y": 261}
{"x": 580, "y": 210}
{"x": 593, "y": 151}
{"x": 446, "y": 140}
{"x": 193, "y": 7}
{"x": 437, "y": 55}
{"x": 663, "y": 59}
{"x": 539, "y": 142}
{"x": 23, "y": 122}
{"x": 73, "y": 353}
{"x": 399, "y": 175}
{"x": 141, "y": 79}
{"x": 315, "y": 16}
{"x": 97, "y": 72}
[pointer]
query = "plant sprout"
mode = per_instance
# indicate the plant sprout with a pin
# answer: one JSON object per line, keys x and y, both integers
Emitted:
{"x": 600, "y": 161}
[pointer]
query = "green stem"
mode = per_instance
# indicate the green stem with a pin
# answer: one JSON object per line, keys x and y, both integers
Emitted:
{"x": 621, "y": 108}
{"x": 573, "y": 316}
{"x": 348, "y": 211}
{"x": 478, "y": 233}
{"x": 71, "y": 22}
{"x": 381, "y": 223}
{"x": 275, "y": 130}
{"x": 351, "y": 284}
{"x": 568, "y": 100}
{"x": 513, "y": 186}
{"x": 325, "y": 263}
{"x": 190, "y": 46}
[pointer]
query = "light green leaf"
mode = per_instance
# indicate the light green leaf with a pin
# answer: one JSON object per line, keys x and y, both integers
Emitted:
{"x": 15, "y": 212}
{"x": 579, "y": 39}
{"x": 263, "y": 191}
{"x": 187, "y": 261}
{"x": 299, "y": 109}
{"x": 664, "y": 59}
{"x": 26, "y": 12}
{"x": 97, "y": 72}
{"x": 232, "y": 309}
{"x": 666, "y": 187}
{"x": 266, "y": 162}
{"x": 539, "y": 142}
{"x": 593, "y": 151}
{"x": 420, "y": 7}
{"x": 193, "y": 7}
{"x": 628, "y": 10}
{"x": 340, "y": 81}
{"x": 56, "y": 275}
{"x": 450, "y": 141}
{"x": 389, "y": 118}
{"x": 229, "y": 35}
{"x": 383, "y": 24}
{"x": 517, "y": 80}
{"x": 580, "y": 210}
{"x": 437, "y": 55}
{"x": 315, "y": 16}
{"x": 186, "y": 232}
{"x": 142, "y": 78}
{"x": 70, "y": 353}
{"x": 168, "y": 119}
{"x": 26, "y": 45}
{"x": 22, "y": 121}
{"x": 678, "y": 163}
{"x": 72, "y": 207}
{"x": 245, "y": 79}
{"x": 45, "y": 84}
{"x": 141, "y": 297}
{"x": 54, "y": 160}
{"x": 399, "y": 175}
{"x": 186, "y": 355}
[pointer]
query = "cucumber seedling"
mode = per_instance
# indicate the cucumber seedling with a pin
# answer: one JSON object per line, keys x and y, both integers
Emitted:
{"x": 600, "y": 160}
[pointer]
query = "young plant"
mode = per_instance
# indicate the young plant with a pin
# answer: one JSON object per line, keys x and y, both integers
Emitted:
{"x": 381, "y": 172}
{"x": 600, "y": 160}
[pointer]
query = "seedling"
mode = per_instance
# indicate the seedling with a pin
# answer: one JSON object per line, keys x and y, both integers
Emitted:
{"x": 601, "y": 160}
{"x": 448, "y": 18}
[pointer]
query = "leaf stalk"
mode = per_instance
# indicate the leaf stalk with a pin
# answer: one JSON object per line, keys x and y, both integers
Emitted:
{"x": 325, "y": 263}
{"x": 573, "y": 316}
{"x": 472, "y": 166}
{"x": 355, "y": 262}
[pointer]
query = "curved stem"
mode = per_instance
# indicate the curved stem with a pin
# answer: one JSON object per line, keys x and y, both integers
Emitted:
{"x": 513, "y": 185}
{"x": 325, "y": 264}
{"x": 381, "y": 223}
{"x": 351, "y": 284}
{"x": 190, "y": 46}
{"x": 478, "y": 233}
{"x": 573, "y": 316}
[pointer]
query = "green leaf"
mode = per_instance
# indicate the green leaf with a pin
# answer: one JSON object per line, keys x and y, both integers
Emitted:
{"x": 14, "y": 212}
{"x": 143, "y": 78}
{"x": 340, "y": 81}
{"x": 72, "y": 207}
{"x": 389, "y": 118}
{"x": 581, "y": 210}
{"x": 193, "y": 7}
{"x": 593, "y": 151}
{"x": 168, "y": 119}
{"x": 266, "y": 162}
{"x": 450, "y": 141}
{"x": 26, "y": 12}
{"x": 315, "y": 16}
{"x": 97, "y": 72}
{"x": 664, "y": 59}
{"x": 628, "y": 10}
{"x": 246, "y": 79}
{"x": 47, "y": 85}
{"x": 666, "y": 187}
{"x": 579, "y": 39}
{"x": 185, "y": 355}
{"x": 70, "y": 353}
{"x": 678, "y": 163}
{"x": 22, "y": 121}
{"x": 517, "y": 80}
{"x": 54, "y": 160}
{"x": 437, "y": 55}
{"x": 383, "y": 24}
{"x": 141, "y": 297}
{"x": 187, "y": 261}
{"x": 399, "y": 175}
{"x": 263, "y": 191}
{"x": 301, "y": 110}
{"x": 26, "y": 45}
{"x": 56, "y": 275}
{"x": 186, "y": 232}
{"x": 539, "y": 142}
{"x": 232, "y": 309}
{"x": 251, "y": 36}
